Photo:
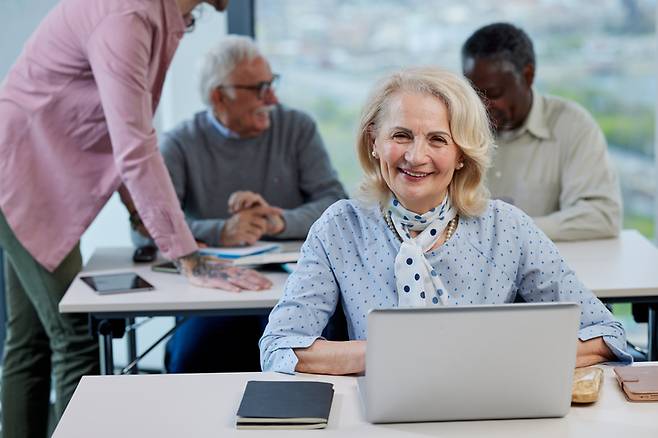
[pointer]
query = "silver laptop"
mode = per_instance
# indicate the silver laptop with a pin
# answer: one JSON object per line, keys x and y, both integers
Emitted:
{"x": 470, "y": 362}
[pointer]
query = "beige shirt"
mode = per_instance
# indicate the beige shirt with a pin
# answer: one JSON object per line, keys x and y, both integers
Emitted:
{"x": 556, "y": 168}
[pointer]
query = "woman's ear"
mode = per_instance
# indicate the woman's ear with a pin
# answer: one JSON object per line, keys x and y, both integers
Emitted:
{"x": 374, "y": 153}
{"x": 370, "y": 130}
{"x": 372, "y": 135}
{"x": 460, "y": 161}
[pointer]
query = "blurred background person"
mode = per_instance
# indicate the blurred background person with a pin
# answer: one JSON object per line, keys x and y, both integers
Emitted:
{"x": 552, "y": 158}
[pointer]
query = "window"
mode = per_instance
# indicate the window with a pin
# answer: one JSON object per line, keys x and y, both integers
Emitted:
{"x": 330, "y": 53}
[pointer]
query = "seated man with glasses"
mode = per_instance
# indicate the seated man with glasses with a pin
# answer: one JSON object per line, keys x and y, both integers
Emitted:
{"x": 247, "y": 168}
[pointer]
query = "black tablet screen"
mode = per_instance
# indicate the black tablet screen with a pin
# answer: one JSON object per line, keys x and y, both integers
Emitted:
{"x": 115, "y": 283}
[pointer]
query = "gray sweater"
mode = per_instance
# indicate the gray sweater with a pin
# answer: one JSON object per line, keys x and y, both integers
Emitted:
{"x": 288, "y": 165}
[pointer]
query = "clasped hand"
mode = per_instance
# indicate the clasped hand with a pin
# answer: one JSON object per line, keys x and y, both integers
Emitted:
{"x": 252, "y": 218}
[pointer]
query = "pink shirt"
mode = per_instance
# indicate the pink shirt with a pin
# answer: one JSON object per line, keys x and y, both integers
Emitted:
{"x": 76, "y": 114}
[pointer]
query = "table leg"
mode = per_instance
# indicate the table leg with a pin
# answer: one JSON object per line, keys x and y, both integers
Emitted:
{"x": 131, "y": 338}
{"x": 105, "y": 345}
{"x": 652, "y": 349}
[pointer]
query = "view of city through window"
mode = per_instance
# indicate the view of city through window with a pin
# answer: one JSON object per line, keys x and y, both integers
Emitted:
{"x": 600, "y": 54}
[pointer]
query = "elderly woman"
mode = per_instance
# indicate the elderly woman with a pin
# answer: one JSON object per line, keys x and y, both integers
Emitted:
{"x": 425, "y": 234}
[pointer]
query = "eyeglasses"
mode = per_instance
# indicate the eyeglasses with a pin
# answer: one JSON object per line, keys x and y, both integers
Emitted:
{"x": 261, "y": 88}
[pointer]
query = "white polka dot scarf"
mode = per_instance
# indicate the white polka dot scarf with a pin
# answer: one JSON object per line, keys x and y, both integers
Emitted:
{"x": 418, "y": 283}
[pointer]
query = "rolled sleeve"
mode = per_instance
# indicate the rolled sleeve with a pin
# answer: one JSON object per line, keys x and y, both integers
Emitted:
{"x": 119, "y": 53}
{"x": 281, "y": 357}
{"x": 597, "y": 321}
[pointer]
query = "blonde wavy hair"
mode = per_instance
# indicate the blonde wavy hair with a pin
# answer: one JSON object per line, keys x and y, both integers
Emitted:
{"x": 469, "y": 125}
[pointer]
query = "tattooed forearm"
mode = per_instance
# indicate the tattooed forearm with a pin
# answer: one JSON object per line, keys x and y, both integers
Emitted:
{"x": 199, "y": 266}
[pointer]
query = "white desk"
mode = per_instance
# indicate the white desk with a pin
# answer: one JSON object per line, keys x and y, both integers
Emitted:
{"x": 615, "y": 269}
{"x": 619, "y": 270}
{"x": 204, "y": 405}
{"x": 173, "y": 296}
{"x": 173, "y": 293}
{"x": 623, "y": 269}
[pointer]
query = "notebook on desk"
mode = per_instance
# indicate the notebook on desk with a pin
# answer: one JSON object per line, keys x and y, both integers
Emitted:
{"x": 470, "y": 362}
{"x": 285, "y": 405}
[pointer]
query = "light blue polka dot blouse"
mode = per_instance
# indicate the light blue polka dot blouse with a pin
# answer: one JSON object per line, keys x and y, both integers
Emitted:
{"x": 350, "y": 253}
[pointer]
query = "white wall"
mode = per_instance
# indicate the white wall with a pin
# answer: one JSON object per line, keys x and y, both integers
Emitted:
{"x": 180, "y": 99}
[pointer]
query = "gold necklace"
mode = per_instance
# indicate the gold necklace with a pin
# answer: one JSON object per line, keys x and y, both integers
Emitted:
{"x": 452, "y": 225}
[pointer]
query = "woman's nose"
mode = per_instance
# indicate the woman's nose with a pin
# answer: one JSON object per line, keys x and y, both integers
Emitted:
{"x": 417, "y": 151}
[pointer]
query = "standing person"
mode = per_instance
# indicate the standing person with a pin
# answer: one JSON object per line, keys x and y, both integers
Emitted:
{"x": 552, "y": 158}
{"x": 76, "y": 116}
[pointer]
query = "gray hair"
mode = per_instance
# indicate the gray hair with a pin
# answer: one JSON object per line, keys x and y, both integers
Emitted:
{"x": 221, "y": 60}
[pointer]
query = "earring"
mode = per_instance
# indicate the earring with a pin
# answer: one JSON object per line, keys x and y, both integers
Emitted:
{"x": 374, "y": 154}
{"x": 460, "y": 165}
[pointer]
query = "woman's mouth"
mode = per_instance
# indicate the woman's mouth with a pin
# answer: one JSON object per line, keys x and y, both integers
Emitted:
{"x": 413, "y": 174}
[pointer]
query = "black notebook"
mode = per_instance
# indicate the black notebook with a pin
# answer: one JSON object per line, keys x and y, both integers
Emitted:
{"x": 285, "y": 405}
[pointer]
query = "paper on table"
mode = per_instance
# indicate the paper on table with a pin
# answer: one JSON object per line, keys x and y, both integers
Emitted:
{"x": 238, "y": 252}
{"x": 287, "y": 252}
{"x": 259, "y": 254}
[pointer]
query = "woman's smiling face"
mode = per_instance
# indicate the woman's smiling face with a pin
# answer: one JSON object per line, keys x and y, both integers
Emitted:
{"x": 416, "y": 152}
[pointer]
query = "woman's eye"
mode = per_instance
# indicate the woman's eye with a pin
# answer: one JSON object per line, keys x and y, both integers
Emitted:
{"x": 439, "y": 140}
{"x": 400, "y": 136}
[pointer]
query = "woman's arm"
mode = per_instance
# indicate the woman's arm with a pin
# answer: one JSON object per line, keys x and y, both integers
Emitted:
{"x": 593, "y": 351}
{"x": 310, "y": 297}
{"x": 329, "y": 357}
{"x": 544, "y": 276}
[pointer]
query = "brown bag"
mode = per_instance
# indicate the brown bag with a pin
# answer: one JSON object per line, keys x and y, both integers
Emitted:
{"x": 640, "y": 383}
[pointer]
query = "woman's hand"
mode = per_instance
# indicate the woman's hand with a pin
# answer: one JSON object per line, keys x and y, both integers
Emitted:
{"x": 208, "y": 272}
{"x": 330, "y": 357}
{"x": 592, "y": 351}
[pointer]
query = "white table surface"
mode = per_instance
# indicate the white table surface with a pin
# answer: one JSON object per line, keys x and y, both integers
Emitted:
{"x": 623, "y": 268}
{"x": 626, "y": 267}
{"x": 204, "y": 405}
{"x": 173, "y": 293}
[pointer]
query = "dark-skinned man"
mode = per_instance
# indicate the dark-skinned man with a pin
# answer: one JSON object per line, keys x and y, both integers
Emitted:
{"x": 551, "y": 160}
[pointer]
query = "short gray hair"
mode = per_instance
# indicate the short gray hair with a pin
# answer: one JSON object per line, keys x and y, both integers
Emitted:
{"x": 221, "y": 60}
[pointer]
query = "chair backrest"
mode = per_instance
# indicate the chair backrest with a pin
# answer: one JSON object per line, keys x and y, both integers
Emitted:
{"x": 336, "y": 329}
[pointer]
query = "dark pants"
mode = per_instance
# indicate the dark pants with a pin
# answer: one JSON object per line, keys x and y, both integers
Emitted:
{"x": 40, "y": 342}
{"x": 216, "y": 344}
